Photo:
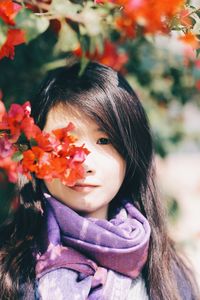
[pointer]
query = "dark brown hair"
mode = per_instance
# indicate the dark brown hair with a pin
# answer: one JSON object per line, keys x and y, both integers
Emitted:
{"x": 106, "y": 97}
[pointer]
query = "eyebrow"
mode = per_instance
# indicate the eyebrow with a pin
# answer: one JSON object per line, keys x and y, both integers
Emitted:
{"x": 100, "y": 129}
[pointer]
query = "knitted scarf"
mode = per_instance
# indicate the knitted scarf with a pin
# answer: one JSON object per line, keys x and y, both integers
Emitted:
{"x": 88, "y": 258}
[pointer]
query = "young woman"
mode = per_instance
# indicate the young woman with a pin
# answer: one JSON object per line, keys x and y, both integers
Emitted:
{"x": 105, "y": 237}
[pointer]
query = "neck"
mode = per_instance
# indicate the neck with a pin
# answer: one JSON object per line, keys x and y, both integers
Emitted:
{"x": 101, "y": 213}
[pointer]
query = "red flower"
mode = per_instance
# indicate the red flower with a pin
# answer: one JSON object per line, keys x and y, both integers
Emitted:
{"x": 2, "y": 110}
{"x": 55, "y": 155}
{"x": 46, "y": 141}
{"x": 197, "y": 63}
{"x": 127, "y": 26}
{"x": 65, "y": 140}
{"x": 72, "y": 175}
{"x": 197, "y": 85}
{"x": 75, "y": 170}
{"x": 18, "y": 120}
{"x": 110, "y": 57}
{"x": 14, "y": 37}
{"x": 66, "y": 166}
{"x": 29, "y": 128}
{"x": 6, "y": 147}
{"x": 12, "y": 120}
{"x": 77, "y": 154}
{"x": 8, "y": 11}
{"x": 10, "y": 167}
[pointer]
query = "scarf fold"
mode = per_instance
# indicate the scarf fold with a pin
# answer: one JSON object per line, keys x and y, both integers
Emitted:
{"x": 103, "y": 256}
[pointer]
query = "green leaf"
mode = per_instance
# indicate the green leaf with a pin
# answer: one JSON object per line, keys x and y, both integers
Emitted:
{"x": 192, "y": 20}
{"x": 85, "y": 43}
{"x": 197, "y": 12}
{"x": 33, "y": 142}
{"x": 196, "y": 28}
{"x": 3, "y": 32}
{"x": 197, "y": 52}
{"x": 31, "y": 23}
{"x": 84, "y": 63}
{"x": 17, "y": 156}
{"x": 2, "y": 38}
{"x": 67, "y": 39}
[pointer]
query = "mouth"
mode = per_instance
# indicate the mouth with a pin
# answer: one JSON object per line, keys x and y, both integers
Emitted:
{"x": 83, "y": 187}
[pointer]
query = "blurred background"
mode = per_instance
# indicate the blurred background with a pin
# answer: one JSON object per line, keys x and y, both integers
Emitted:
{"x": 164, "y": 71}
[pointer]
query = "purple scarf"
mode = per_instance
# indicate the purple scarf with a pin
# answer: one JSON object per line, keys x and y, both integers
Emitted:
{"x": 99, "y": 257}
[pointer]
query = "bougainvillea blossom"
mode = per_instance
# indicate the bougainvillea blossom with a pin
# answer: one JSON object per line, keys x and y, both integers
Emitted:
{"x": 50, "y": 165}
{"x": 184, "y": 17}
{"x": 190, "y": 39}
{"x": 14, "y": 37}
{"x": 111, "y": 56}
{"x": 2, "y": 110}
{"x": 8, "y": 11}
{"x": 151, "y": 15}
{"x": 17, "y": 120}
{"x": 6, "y": 147}
{"x": 44, "y": 155}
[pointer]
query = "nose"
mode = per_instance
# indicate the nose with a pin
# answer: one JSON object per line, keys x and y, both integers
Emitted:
{"x": 89, "y": 163}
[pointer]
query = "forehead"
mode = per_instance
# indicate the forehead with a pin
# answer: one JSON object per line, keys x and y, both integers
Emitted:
{"x": 60, "y": 115}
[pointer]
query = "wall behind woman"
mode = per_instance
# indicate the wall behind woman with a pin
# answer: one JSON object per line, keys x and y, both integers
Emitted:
{"x": 179, "y": 180}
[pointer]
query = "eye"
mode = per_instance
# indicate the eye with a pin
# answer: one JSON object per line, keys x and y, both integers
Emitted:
{"x": 103, "y": 141}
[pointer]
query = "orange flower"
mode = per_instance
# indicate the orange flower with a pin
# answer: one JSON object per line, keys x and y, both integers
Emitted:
{"x": 72, "y": 175}
{"x": 55, "y": 155}
{"x": 38, "y": 161}
{"x": 151, "y": 15}
{"x": 46, "y": 141}
{"x": 8, "y": 11}
{"x": 185, "y": 20}
{"x": 190, "y": 39}
{"x": 127, "y": 26}
{"x": 14, "y": 37}
{"x": 29, "y": 162}
{"x": 110, "y": 57}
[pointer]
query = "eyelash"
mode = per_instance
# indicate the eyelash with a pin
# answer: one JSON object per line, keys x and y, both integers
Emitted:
{"x": 108, "y": 141}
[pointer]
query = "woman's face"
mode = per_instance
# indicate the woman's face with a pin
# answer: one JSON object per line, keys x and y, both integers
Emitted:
{"x": 105, "y": 168}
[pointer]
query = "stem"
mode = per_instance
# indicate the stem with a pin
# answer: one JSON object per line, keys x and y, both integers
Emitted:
{"x": 193, "y": 12}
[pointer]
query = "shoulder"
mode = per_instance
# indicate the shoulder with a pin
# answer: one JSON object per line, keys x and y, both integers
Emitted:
{"x": 138, "y": 290}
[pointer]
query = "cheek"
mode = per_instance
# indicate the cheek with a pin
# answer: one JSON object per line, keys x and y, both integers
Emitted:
{"x": 116, "y": 169}
{"x": 52, "y": 186}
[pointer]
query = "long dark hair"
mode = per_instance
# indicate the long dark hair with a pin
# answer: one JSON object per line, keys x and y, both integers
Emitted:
{"x": 106, "y": 97}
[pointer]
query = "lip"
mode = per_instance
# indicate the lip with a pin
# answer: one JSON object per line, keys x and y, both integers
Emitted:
{"x": 83, "y": 187}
